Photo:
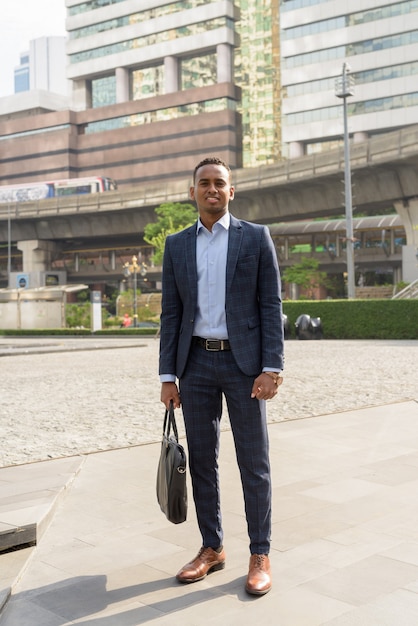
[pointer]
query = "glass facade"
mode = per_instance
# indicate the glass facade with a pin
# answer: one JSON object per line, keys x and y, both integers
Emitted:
{"x": 379, "y": 40}
{"x": 150, "y": 13}
{"x": 357, "y": 108}
{"x": 133, "y": 18}
{"x": 91, "y": 5}
{"x": 291, "y": 5}
{"x": 157, "y": 37}
{"x": 360, "y": 78}
{"x": 256, "y": 62}
{"x": 103, "y": 91}
{"x": 351, "y": 19}
{"x": 198, "y": 71}
{"x": 147, "y": 82}
{"x": 160, "y": 115}
{"x": 21, "y": 79}
{"x": 361, "y": 47}
{"x": 257, "y": 73}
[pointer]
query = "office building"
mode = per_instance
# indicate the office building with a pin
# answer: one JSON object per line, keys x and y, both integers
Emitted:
{"x": 156, "y": 85}
{"x": 257, "y": 72}
{"x": 152, "y": 91}
{"x": 153, "y": 83}
{"x": 43, "y": 67}
{"x": 168, "y": 47}
{"x": 379, "y": 41}
{"x": 155, "y": 88}
{"x": 21, "y": 73}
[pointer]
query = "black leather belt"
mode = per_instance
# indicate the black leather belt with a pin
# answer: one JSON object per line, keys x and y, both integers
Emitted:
{"x": 212, "y": 345}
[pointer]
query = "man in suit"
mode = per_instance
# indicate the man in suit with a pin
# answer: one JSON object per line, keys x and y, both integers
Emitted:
{"x": 221, "y": 334}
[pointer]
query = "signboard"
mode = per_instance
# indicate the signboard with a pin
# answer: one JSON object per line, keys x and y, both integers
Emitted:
{"x": 51, "y": 280}
{"x": 96, "y": 313}
{"x": 22, "y": 281}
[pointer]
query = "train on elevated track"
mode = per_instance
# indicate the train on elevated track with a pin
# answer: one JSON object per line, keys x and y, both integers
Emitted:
{"x": 31, "y": 192}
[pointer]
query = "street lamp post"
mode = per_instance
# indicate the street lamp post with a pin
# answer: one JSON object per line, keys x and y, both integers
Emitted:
{"x": 9, "y": 247}
{"x": 344, "y": 87}
{"x": 128, "y": 269}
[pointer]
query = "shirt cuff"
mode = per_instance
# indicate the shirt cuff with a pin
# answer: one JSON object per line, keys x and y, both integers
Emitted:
{"x": 167, "y": 378}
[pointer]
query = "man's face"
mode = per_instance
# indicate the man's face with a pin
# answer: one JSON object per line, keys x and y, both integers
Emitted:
{"x": 212, "y": 190}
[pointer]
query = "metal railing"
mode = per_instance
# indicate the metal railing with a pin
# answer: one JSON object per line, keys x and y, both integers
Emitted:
{"x": 408, "y": 292}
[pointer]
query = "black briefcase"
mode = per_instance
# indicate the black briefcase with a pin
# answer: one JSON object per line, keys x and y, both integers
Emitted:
{"x": 171, "y": 473}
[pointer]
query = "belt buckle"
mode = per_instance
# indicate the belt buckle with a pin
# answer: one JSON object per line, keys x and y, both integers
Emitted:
{"x": 212, "y": 341}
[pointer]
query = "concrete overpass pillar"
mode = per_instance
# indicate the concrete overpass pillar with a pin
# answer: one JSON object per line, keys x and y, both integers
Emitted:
{"x": 122, "y": 84}
{"x": 359, "y": 137}
{"x": 408, "y": 210}
{"x": 172, "y": 74}
{"x": 296, "y": 149}
{"x": 37, "y": 260}
{"x": 36, "y": 254}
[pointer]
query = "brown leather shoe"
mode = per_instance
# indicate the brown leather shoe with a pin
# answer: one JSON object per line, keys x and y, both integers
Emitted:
{"x": 259, "y": 575}
{"x": 205, "y": 562}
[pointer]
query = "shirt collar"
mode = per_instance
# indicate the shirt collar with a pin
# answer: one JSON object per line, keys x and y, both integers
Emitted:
{"x": 224, "y": 221}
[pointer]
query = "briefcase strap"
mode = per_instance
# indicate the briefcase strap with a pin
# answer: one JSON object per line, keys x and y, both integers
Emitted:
{"x": 170, "y": 422}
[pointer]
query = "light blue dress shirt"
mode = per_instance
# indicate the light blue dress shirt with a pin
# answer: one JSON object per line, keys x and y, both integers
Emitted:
{"x": 211, "y": 253}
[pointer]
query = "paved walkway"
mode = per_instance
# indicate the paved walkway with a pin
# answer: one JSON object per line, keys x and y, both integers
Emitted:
{"x": 345, "y": 534}
{"x": 63, "y": 396}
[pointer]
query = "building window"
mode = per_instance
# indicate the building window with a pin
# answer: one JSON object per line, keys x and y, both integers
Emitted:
{"x": 103, "y": 91}
{"x": 355, "y": 108}
{"x": 154, "y": 38}
{"x": 161, "y": 115}
{"x": 147, "y": 82}
{"x": 360, "y": 78}
{"x": 90, "y": 5}
{"x": 362, "y": 47}
{"x": 351, "y": 19}
{"x": 167, "y": 9}
{"x": 198, "y": 71}
{"x": 21, "y": 80}
{"x": 291, "y": 5}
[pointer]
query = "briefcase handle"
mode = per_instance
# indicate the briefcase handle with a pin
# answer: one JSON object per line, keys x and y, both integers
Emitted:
{"x": 170, "y": 422}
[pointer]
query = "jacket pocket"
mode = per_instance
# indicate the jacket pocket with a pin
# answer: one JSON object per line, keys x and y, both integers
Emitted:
{"x": 253, "y": 321}
{"x": 247, "y": 261}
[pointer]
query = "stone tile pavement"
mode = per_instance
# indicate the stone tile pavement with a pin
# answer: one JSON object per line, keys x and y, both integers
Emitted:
{"x": 345, "y": 533}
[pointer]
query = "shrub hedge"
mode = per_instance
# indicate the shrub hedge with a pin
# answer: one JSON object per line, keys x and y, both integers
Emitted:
{"x": 341, "y": 319}
{"x": 359, "y": 319}
{"x": 72, "y": 332}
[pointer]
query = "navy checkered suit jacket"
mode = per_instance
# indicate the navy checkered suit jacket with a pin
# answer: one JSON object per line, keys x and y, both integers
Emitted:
{"x": 253, "y": 302}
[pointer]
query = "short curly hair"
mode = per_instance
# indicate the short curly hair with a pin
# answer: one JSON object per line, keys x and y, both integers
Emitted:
{"x": 211, "y": 161}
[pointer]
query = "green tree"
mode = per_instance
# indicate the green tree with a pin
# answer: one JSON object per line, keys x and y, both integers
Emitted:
{"x": 173, "y": 217}
{"x": 306, "y": 274}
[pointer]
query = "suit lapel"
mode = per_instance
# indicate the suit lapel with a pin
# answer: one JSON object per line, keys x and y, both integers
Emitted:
{"x": 234, "y": 245}
{"x": 190, "y": 252}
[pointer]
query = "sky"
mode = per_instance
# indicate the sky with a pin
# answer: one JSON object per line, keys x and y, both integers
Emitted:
{"x": 21, "y": 21}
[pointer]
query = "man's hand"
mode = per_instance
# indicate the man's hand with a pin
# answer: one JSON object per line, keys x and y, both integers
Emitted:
{"x": 170, "y": 392}
{"x": 264, "y": 387}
